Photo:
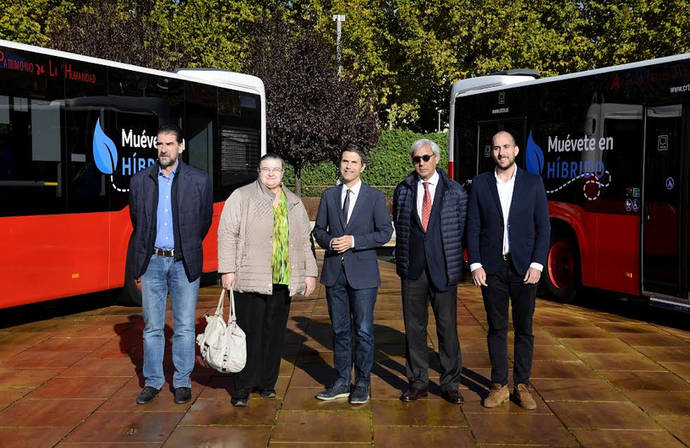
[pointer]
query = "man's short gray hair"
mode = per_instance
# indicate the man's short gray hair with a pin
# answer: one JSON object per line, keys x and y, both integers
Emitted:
{"x": 422, "y": 142}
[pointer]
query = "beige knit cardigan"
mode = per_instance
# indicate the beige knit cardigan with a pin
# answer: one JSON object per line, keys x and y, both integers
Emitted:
{"x": 245, "y": 240}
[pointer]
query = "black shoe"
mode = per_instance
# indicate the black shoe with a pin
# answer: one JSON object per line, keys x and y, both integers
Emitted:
{"x": 147, "y": 394}
{"x": 268, "y": 393}
{"x": 413, "y": 394}
{"x": 452, "y": 396}
{"x": 183, "y": 395}
{"x": 240, "y": 402}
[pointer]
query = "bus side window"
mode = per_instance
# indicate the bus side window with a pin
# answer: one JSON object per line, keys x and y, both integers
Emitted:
{"x": 31, "y": 144}
{"x": 240, "y": 144}
{"x": 200, "y": 128}
{"x": 199, "y": 132}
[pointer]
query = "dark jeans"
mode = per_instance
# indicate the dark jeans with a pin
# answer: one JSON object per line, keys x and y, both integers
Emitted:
{"x": 504, "y": 285}
{"x": 416, "y": 295}
{"x": 263, "y": 318}
{"x": 347, "y": 306}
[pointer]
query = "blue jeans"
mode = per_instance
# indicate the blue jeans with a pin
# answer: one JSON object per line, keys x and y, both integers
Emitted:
{"x": 164, "y": 274}
{"x": 343, "y": 302}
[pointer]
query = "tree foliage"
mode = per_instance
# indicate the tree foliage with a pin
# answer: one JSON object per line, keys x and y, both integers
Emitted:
{"x": 403, "y": 54}
{"x": 29, "y": 21}
{"x": 312, "y": 113}
{"x": 119, "y": 30}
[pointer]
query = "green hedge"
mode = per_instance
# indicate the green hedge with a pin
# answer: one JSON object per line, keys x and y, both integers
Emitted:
{"x": 389, "y": 163}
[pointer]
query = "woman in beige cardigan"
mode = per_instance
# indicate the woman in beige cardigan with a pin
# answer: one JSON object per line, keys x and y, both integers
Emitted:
{"x": 265, "y": 254}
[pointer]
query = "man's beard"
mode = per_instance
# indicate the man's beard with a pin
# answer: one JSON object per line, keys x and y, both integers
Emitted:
{"x": 167, "y": 164}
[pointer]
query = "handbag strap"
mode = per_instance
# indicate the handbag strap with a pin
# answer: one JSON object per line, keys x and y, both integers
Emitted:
{"x": 232, "y": 318}
{"x": 219, "y": 308}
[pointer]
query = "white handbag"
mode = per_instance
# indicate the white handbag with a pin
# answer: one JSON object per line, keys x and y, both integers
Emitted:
{"x": 223, "y": 346}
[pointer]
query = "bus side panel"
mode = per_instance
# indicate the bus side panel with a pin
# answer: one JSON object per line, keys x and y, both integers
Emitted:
{"x": 608, "y": 245}
{"x": 120, "y": 231}
{"x": 210, "y": 244}
{"x": 51, "y": 256}
{"x": 618, "y": 250}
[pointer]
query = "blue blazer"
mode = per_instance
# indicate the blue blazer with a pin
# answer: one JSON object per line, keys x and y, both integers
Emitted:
{"x": 192, "y": 210}
{"x": 528, "y": 222}
{"x": 369, "y": 223}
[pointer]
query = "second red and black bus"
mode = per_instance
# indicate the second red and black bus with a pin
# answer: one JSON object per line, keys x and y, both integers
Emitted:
{"x": 612, "y": 146}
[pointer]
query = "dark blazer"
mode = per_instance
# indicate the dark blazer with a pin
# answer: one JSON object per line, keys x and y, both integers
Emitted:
{"x": 452, "y": 199}
{"x": 369, "y": 223}
{"x": 192, "y": 210}
{"x": 528, "y": 222}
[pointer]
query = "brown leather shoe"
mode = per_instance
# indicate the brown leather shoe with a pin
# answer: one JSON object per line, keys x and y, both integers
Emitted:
{"x": 413, "y": 393}
{"x": 452, "y": 396}
{"x": 523, "y": 397}
{"x": 497, "y": 396}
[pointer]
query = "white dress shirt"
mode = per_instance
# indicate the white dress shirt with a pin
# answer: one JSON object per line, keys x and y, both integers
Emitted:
{"x": 505, "y": 195}
{"x": 354, "y": 194}
{"x": 433, "y": 181}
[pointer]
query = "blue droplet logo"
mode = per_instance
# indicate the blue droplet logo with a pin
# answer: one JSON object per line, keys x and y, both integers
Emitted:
{"x": 104, "y": 150}
{"x": 534, "y": 158}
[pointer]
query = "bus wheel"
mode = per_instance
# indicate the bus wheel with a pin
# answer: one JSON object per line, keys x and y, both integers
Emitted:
{"x": 130, "y": 293}
{"x": 562, "y": 278}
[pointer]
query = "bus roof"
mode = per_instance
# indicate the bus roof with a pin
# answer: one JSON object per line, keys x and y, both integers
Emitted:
{"x": 214, "y": 77}
{"x": 481, "y": 84}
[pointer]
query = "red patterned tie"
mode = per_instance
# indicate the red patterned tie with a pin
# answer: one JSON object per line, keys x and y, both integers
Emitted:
{"x": 426, "y": 206}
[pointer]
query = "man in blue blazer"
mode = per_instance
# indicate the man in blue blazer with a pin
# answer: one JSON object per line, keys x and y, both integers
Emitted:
{"x": 171, "y": 208}
{"x": 507, "y": 240}
{"x": 352, "y": 222}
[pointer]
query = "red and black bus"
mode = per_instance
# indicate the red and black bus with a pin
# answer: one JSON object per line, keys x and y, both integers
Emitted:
{"x": 613, "y": 148}
{"x": 73, "y": 130}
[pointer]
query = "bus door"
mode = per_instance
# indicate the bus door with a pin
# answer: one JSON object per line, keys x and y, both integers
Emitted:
{"x": 487, "y": 129}
{"x": 665, "y": 248}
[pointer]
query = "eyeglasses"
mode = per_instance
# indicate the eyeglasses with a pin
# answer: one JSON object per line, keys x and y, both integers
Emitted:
{"x": 425, "y": 157}
{"x": 266, "y": 170}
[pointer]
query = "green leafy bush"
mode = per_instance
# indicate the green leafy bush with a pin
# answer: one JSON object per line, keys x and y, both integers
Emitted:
{"x": 389, "y": 163}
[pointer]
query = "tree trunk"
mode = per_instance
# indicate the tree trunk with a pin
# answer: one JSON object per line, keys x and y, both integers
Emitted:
{"x": 298, "y": 181}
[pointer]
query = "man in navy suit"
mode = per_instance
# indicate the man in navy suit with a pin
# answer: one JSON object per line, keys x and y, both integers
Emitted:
{"x": 429, "y": 213}
{"x": 352, "y": 222}
{"x": 171, "y": 207}
{"x": 507, "y": 240}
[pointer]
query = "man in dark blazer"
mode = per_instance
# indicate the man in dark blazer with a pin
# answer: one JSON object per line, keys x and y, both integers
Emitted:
{"x": 352, "y": 222}
{"x": 507, "y": 241}
{"x": 171, "y": 207}
{"x": 429, "y": 212}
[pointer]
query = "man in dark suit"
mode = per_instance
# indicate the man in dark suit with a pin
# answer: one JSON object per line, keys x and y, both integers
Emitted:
{"x": 507, "y": 240}
{"x": 429, "y": 214}
{"x": 352, "y": 222}
{"x": 171, "y": 207}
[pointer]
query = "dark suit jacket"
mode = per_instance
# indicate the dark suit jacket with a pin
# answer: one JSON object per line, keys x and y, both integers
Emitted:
{"x": 369, "y": 223}
{"x": 528, "y": 222}
{"x": 192, "y": 210}
{"x": 452, "y": 199}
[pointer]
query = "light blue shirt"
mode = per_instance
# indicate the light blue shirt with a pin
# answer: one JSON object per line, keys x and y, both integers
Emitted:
{"x": 165, "y": 235}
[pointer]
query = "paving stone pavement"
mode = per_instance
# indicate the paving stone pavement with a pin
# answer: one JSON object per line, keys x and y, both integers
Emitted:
{"x": 600, "y": 380}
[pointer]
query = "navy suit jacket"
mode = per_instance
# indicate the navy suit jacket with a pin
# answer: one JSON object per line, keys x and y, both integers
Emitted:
{"x": 528, "y": 222}
{"x": 192, "y": 210}
{"x": 369, "y": 223}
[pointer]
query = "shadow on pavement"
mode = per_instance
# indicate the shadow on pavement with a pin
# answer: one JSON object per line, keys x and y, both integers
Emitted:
{"x": 10, "y": 317}
{"x": 314, "y": 365}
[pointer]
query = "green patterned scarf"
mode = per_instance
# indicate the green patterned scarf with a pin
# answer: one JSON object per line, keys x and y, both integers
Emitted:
{"x": 280, "y": 262}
